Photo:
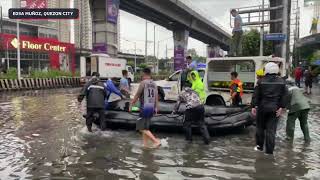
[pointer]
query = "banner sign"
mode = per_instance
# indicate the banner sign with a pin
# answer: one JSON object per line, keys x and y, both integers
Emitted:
{"x": 99, "y": 48}
{"x": 34, "y": 4}
{"x": 112, "y": 10}
{"x": 179, "y": 59}
{"x": 180, "y": 49}
{"x": 275, "y": 37}
{"x": 35, "y": 44}
{"x": 311, "y": 2}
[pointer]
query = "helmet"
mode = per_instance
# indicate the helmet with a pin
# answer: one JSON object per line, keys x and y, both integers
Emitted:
{"x": 260, "y": 72}
{"x": 271, "y": 68}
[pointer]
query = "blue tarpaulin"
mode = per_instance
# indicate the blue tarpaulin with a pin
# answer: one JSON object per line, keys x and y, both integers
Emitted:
{"x": 317, "y": 62}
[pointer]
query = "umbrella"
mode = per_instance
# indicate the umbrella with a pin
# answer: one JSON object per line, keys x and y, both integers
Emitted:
{"x": 317, "y": 62}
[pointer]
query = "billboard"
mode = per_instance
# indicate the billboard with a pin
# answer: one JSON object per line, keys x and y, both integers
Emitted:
{"x": 34, "y": 4}
{"x": 112, "y": 10}
{"x": 311, "y": 2}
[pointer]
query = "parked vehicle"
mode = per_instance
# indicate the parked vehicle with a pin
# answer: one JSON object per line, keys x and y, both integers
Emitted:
{"x": 217, "y": 76}
{"x": 107, "y": 66}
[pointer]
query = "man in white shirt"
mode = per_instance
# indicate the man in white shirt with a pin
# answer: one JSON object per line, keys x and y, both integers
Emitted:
{"x": 237, "y": 32}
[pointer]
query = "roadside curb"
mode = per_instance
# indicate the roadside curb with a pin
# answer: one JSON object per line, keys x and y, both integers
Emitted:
{"x": 38, "y": 83}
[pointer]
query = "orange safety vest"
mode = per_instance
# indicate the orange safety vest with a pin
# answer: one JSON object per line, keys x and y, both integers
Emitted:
{"x": 239, "y": 84}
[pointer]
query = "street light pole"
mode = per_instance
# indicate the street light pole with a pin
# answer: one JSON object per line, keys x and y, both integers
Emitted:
{"x": 18, "y": 51}
{"x": 146, "y": 43}
{"x": 8, "y": 62}
{"x": 135, "y": 57}
{"x": 154, "y": 47}
{"x": 262, "y": 30}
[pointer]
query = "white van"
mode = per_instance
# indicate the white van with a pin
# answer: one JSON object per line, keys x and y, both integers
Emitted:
{"x": 107, "y": 66}
{"x": 217, "y": 78}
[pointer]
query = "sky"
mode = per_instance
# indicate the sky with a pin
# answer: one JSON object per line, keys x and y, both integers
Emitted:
{"x": 132, "y": 28}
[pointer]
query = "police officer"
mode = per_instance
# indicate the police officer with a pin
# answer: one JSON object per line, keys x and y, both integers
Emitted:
{"x": 269, "y": 101}
{"x": 298, "y": 107}
{"x": 96, "y": 93}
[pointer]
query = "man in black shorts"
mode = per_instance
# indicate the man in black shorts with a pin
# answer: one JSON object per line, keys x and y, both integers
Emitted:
{"x": 148, "y": 95}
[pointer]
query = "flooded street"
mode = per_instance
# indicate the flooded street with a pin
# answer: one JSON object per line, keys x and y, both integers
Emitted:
{"x": 43, "y": 136}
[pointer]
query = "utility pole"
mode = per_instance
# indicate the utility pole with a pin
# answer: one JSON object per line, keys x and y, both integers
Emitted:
{"x": 262, "y": 30}
{"x": 285, "y": 28}
{"x": 18, "y": 51}
{"x": 135, "y": 57}
{"x": 154, "y": 47}
{"x": 166, "y": 51}
{"x": 146, "y": 43}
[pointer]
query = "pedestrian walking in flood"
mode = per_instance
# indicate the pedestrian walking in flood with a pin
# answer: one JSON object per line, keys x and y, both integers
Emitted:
{"x": 308, "y": 81}
{"x": 237, "y": 34}
{"x": 194, "y": 114}
{"x": 298, "y": 75}
{"x": 268, "y": 104}
{"x": 298, "y": 107}
{"x": 148, "y": 95}
{"x": 236, "y": 90}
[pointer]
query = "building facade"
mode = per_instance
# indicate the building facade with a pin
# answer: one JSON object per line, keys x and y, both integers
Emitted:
{"x": 40, "y": 48}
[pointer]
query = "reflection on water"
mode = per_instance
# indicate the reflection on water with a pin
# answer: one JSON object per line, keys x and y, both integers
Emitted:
{"x": 42, "y": 136}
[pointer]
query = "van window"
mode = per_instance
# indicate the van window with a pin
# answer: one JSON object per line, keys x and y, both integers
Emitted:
{"x": 130, "y": 69}
{"x": 175, "y": 77}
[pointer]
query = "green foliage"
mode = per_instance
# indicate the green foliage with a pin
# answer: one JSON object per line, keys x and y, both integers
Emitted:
{"x": 142, "y": 65}
{"x": 193, "y": 53}
{"x": 251, "y": 44}
{"x": 11, "y": 74}
{"x": 50, "y": 74}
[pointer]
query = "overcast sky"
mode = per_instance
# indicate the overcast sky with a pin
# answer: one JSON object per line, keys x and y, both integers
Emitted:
{"x": 132, "y": 28}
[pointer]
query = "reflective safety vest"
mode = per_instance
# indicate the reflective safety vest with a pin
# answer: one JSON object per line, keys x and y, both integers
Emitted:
{"x": 239, "y": 89}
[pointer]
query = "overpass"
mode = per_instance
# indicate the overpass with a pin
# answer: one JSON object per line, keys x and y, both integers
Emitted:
{"x": 171, "y": 14}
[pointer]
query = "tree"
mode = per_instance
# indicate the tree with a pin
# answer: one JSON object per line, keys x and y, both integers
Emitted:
{"x": 193, "y": 53}
{"x": 251, "y": 44}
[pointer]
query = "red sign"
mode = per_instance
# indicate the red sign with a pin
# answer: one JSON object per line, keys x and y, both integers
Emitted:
{"x": 113, "y": 64}
{"x": 34, "y": 4}
{"x": 50, "y": 45}
{"x": 35, "y": 44}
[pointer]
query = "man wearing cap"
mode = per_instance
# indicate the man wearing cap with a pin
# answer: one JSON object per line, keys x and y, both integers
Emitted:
{"x": 298, "y": 107}
{"x": 269, "y": 101}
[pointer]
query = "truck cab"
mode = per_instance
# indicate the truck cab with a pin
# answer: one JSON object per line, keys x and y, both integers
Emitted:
{"x": 217, "y": 76}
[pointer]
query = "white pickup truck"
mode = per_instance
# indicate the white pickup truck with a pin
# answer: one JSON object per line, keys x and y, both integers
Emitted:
{"x": 216, "y": 78}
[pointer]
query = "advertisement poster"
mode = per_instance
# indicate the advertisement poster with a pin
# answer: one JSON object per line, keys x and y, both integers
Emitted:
{"x": 112, "y": 10}
{"x": 99, "y": 48}
{"x": 34, "y": 4}
{"x": 180, "y": 49}
{"x": 311, "y": 2}
{"x": 179, "y": 58}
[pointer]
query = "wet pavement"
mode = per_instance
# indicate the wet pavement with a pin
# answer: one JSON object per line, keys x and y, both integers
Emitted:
{"x": 43, "y": 136}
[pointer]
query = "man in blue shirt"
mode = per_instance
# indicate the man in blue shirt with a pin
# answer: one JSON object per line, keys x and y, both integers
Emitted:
{"x": 237, "y": 32}
{"x": 124, "y": 83}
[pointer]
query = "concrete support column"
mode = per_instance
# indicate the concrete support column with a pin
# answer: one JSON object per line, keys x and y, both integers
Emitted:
{"x": 214, "y": 51}
{"x": 105, "y": 27}
{"x": 180, "y": 38}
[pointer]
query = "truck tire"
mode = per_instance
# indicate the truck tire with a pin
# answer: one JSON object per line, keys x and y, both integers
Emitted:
{"x": 215, "y": 100}
{"x": 161, "y": 94}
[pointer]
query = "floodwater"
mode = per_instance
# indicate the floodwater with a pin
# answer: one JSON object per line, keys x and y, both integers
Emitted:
{"x": 43, "y": 136}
